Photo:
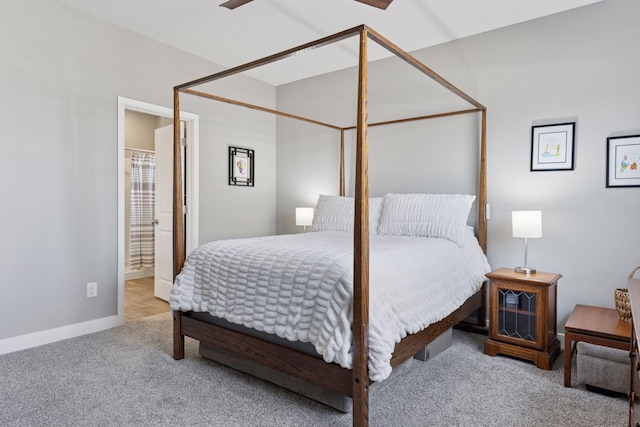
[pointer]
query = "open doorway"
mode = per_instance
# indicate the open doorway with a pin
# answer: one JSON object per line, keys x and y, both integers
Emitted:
{"x": 141, "y": 177}
{"x": 145, "y": 148}
{"x": 139, "y": 170}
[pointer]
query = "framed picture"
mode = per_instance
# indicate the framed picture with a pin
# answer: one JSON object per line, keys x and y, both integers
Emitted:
{"x": 241, "y": 166}
{"x": 623, "y": 157}
{"x": 552, "y": 147}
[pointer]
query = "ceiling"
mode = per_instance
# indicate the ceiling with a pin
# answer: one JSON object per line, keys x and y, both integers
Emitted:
{"x": 264, "y": 27}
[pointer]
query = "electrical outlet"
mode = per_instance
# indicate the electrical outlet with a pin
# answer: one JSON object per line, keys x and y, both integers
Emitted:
{"x": 92, "y": 289}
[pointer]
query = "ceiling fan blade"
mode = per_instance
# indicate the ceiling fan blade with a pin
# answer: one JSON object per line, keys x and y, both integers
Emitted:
{"x": 232, "y": 4}
{"x": 380, "y": 4}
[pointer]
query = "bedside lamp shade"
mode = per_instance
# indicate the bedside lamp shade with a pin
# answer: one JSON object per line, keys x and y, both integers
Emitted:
{"x": 526, "y": 225}
{"x": 304, "y": 217}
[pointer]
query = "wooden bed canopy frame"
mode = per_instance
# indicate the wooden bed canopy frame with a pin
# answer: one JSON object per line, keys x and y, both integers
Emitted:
{"x": 355, "y": 382}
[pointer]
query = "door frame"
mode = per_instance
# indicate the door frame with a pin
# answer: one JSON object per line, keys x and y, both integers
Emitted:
{"x": 191, "y": 179}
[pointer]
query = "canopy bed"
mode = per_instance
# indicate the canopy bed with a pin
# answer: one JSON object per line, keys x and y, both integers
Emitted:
{"x": 354, "y": 380}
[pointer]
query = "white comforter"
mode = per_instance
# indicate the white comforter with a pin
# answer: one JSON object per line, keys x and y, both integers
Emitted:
{"x": 300, "y": 287}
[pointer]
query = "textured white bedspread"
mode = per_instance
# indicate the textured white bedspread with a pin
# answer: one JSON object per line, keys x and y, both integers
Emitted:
{"x": 300, "y": 287}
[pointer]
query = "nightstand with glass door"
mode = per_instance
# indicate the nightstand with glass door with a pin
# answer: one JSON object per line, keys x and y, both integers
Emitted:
{"x": 522, "y": 316}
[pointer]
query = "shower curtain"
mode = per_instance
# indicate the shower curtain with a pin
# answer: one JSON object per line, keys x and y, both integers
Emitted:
{"x": 142, "y": 242}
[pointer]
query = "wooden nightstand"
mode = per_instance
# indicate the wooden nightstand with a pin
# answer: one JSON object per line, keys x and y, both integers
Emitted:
{"x": 522, "y": 319}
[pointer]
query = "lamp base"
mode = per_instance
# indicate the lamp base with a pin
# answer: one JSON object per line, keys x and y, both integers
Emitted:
{"x": 525, "y": 270}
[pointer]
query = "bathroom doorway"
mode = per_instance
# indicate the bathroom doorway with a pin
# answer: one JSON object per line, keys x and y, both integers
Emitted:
{"x": 140, "y": 259}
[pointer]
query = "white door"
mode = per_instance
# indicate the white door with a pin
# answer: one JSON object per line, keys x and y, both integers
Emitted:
{"x": 164, "y": 213}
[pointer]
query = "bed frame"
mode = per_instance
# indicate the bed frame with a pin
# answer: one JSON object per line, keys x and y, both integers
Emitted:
{"x": 349, "y": 382}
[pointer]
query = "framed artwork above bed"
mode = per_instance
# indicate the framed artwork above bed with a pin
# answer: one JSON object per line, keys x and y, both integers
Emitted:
{"x": 623, "y": 156}
{"x": 552, "y": 147}
{"x": 241, "y": 166}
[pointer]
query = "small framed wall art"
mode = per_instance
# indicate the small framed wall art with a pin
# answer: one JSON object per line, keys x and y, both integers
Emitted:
{"x": 552, "y": 147}
{"x": 623, "y": 157}
{"x": 241, "y": 166}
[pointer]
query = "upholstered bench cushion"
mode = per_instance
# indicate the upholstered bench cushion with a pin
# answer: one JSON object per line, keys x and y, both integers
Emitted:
{"x": 603, "y": 367}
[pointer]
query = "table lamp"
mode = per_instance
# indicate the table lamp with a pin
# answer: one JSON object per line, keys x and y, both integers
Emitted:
{"x": 304, "y": 217}
{"x": 527, "y": 225}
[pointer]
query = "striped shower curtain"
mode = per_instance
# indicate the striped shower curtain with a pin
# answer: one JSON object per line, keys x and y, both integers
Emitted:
{"x": 141, "y": 248}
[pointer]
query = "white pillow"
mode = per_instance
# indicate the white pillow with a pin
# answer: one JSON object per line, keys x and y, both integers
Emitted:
{"x": 335, "y": 213}
{"x": 430, "y": 215}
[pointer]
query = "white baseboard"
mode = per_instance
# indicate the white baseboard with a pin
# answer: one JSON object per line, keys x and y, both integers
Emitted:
{"x": 137, "y": 274}
{"x": 21, "y": 342}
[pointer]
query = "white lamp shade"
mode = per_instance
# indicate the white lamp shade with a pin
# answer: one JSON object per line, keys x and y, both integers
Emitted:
{"x": 304, "y": 216}
{"x": 526, "y": 224}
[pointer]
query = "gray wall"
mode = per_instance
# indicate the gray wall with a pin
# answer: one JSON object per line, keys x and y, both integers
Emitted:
{"x": 582, "y": 66}
{"x": 232, "y": 211}
{"x": 60, "y": 75}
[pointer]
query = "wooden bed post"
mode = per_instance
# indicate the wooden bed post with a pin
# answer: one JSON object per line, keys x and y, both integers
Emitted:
{"x": 178, "y": 337}
{"x": 482, "y": 198}
{"x": 178, "y": 222}
{"x": 361, "y": 252}
{"x": 178, "y": 198}
{"x": 481, "y": 319}
{"x": 341, "y": 191}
